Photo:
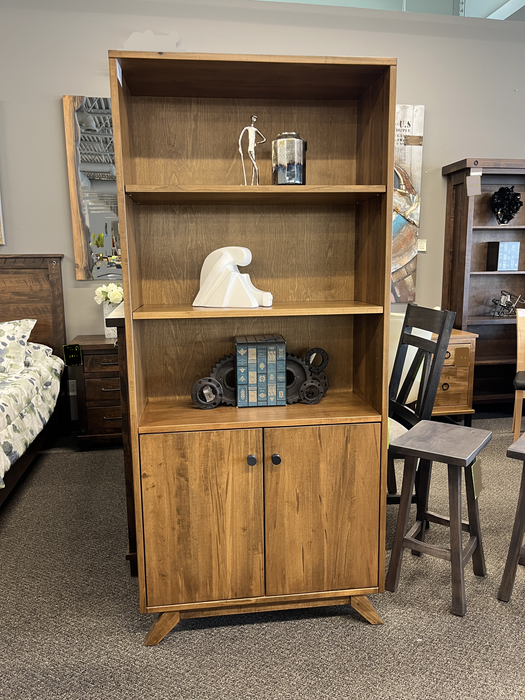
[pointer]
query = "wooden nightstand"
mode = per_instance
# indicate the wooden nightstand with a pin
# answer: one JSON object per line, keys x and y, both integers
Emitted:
{"x": 454, "y": 396}
{"x": 98, "y": 391}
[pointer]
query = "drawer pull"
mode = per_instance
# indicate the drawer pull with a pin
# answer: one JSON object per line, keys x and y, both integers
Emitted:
{"x": 108, "y": 364}
{"x": 445, "y": 386}
{"x": 103, "y": 389}
{"x": 112, "y": 417}
{"x": 252, "y": 460}
{"x": 276, "y": 459}
{"x": 447, "y": 355}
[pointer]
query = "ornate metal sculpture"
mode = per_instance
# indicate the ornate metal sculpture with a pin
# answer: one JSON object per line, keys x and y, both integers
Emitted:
{"x": 507, "y": 303}
{"x": 252, "y": 132}
{"x": 505, "y": 204}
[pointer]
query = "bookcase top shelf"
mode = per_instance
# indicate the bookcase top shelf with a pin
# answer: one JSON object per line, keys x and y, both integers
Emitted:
{"x": 262, "y": 194}
{"x": 314, "y": 308}
{"x": 255, "y": 77}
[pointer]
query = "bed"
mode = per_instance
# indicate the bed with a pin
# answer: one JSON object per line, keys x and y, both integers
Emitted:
{"x": 30, "y": 288}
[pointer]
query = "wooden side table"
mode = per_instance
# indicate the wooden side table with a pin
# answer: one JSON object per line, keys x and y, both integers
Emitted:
{"x": 454, "y": 396}
{"x": 98, "y": 392}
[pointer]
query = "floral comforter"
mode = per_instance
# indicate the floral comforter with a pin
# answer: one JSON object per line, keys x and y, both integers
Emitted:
{"x": 27, "y": 400}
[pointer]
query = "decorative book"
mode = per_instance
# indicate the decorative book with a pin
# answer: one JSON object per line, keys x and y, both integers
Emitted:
{"x": 261, "y": 370}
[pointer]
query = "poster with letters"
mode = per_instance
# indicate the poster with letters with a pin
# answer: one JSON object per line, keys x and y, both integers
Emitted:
{"x": 408, "y": 161}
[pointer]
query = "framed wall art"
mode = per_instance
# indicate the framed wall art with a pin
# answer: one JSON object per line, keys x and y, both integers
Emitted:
{"x": 92, "y": 187}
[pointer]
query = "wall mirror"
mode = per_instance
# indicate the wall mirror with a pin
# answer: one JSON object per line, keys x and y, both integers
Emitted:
{"x": 92, "y": 187}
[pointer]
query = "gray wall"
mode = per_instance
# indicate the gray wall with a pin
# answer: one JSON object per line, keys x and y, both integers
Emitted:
{"x": 469, "y": 74}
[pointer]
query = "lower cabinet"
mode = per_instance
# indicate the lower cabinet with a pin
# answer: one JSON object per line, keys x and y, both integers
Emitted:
{"x": 232, "y": 514}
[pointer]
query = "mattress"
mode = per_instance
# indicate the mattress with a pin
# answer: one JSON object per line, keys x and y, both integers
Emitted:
{"x": 27, "y": 400}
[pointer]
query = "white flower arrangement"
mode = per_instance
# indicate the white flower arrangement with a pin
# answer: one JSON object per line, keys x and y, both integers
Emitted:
{"x": 109, "y": 292}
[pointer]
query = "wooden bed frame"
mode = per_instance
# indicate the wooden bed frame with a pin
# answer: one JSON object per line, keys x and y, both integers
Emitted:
{"x": 31, "y": 287}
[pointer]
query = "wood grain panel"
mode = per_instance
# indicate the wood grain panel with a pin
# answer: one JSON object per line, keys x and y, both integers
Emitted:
{"x": 171, "y": 415}
{"x": 178, "y": 353}
{"x": 299, "y": 253}
{"x": 203, "y": 523}
{"x": 195, "y": 141}
{"x": 322, "y": 508}
{"x": 31, "y": 287}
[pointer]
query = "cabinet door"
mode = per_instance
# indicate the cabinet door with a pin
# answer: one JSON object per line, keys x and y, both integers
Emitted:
{"x": 322, "y": 508}
{"x": 203, "y": 521}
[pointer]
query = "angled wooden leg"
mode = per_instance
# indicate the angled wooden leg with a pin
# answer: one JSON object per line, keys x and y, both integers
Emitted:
{"x": 478, "y": 557}
{"x": 364, "y": 607}
{"x": 516, "y": 418}
{"x": 459, "y": 606}
{"x": 164, "y": 623}
{"x": 423, "y": 474}
{"x": 515, "y": 549}
{"x": 391, "y": 476}
{"x": 394, "y": 568}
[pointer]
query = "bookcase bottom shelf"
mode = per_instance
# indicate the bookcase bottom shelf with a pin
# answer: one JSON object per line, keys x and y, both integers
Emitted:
{"x": 176, "y": 415}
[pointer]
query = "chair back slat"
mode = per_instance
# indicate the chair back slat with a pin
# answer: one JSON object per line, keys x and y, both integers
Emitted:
{"x": 426, "y": 367}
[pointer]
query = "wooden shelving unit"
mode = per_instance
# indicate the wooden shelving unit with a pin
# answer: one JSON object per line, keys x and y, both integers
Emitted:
{"x": 214, "y": 534}
{"x": 468, "y": 288}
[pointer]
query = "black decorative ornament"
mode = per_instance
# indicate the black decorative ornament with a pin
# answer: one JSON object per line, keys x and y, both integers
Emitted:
{"x": 224, "y": 373}
{"x": 206, "y": 393}
{"x": 505, "y": 204}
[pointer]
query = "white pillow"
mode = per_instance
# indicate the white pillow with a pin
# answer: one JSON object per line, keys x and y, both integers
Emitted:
{"x": 13, "y": 342}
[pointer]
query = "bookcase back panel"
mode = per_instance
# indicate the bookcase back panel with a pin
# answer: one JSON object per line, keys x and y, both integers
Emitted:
{"x": 480, "y": 239}
{"x": 298, "y": 253}
{"x": 185, "y": 141}
{"x": 178, "y": 353}
{"x": 484, "y": 288}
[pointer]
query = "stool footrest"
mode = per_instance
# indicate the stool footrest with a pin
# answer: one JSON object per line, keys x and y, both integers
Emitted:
{"x": 424, "y": 548}
{"x": 441, "y": 520}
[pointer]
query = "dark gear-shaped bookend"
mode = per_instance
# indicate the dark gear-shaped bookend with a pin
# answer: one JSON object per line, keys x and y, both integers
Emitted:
{"x": 505, "y": 204}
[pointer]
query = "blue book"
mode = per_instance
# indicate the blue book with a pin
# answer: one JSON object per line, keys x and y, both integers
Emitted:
{"x": 258, "y": 359}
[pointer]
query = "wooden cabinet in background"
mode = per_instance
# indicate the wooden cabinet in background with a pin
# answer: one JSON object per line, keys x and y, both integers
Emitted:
{"x": 454, "y": 395}
{"x": 264, "y": 508}
{"x": 468, "y": 286}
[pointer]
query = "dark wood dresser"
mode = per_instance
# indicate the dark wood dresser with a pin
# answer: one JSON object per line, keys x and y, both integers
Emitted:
{"x": 98, "y": 392}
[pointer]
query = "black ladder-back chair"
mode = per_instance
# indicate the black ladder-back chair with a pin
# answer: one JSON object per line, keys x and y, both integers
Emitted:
{"x": 429, "y": 358}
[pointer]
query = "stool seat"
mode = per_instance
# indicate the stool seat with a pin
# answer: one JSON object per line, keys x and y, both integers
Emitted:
{"x": 516, "y": 554}
{"x": 441, "y": 442}
{"x": 457, "y": 447}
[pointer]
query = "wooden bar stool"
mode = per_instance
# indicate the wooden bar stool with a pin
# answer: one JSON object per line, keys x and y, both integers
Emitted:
{"x": 457, "y": 446}
{"x": 516, "y": 553}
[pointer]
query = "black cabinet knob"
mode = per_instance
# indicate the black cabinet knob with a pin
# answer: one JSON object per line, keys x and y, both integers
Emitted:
{"x": 252, "y": 460}
{"x": 445, "y": 386}
{"x": 276, "y": 459}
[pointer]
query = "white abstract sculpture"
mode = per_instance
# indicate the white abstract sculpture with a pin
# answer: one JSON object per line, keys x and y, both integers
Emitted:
{"x": 222, "y": 284}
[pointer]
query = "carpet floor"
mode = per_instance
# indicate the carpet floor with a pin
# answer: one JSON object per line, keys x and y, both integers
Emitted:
{"x": 70, "y": 625}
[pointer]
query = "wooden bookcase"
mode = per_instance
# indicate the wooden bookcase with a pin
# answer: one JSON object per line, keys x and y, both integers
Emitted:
{"x": 215, "y": 535}
{"x": 468, "y": 288}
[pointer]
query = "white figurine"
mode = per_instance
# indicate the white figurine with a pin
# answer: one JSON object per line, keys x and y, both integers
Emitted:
{"x": 252, "y": 132}
{"x": 222, "y": 285}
